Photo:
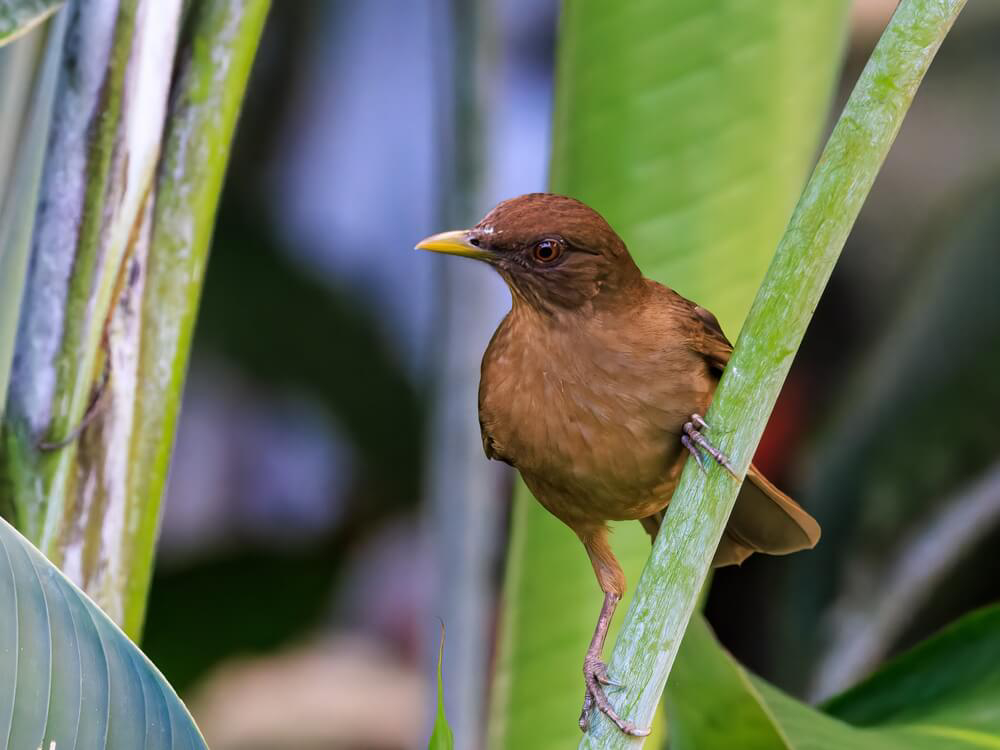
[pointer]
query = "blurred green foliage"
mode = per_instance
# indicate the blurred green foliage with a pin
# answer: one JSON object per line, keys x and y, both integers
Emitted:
{"x": 71, "y": 677}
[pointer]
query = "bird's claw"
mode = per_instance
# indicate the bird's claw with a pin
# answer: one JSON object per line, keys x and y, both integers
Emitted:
{"x": 693, "y": 450}
{"x": 601, "y": 675}
{"x": 700, "y": 422}
{"x": 692, "y": 439}
{"x": 595, "y": 675}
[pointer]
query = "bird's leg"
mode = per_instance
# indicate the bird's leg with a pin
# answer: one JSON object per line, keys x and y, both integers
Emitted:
{"x": 692, "y": 439}
{"x": 595, "y": 671}
{"x": 595, "y": 674}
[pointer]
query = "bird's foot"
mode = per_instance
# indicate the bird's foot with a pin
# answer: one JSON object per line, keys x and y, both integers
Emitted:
{"x": 693, "y": 439}
{"x": 595, "y": 675}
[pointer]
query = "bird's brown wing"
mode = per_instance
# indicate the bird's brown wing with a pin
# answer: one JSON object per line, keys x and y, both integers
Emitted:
{"x": 490, "y": 447}
{"x": 703, "y": 332}
{"x": 764, "y": 518}
{"x": 710, "y": 341}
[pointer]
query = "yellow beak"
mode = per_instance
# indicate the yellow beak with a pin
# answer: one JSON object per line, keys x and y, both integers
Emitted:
{"x": 454, "y": 243}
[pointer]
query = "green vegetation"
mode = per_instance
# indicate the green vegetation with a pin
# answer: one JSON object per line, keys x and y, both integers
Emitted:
{"x": 116, "y": 165}
{"x": 72, "y": 678}
{"x": 668, "y": 591}
{"x": 109, "y": 303}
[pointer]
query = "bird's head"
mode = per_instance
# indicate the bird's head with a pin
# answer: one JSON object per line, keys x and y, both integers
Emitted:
{"x": 554, "y": 252}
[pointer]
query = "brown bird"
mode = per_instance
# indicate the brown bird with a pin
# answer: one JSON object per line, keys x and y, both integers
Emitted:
{"x": 593, "y": 386}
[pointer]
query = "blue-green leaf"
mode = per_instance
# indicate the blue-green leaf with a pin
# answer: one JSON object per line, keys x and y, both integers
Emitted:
{"x": 70, "y": 677}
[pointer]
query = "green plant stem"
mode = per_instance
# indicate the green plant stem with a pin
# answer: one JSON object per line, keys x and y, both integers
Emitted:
{"x": 94, "y": 183}
{"x": 214, "y": 67}
{"x": 119, "y": 249}
{"x": 668, "y": 589}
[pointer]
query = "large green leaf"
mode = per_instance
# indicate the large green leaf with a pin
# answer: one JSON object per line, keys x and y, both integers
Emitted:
{"x": 948, "y": 686}
{"x": 944, "y": 694}
{"x": 691, "y": 127}
{"x": 18, "y": 17}
{"x": 71, "y": 678}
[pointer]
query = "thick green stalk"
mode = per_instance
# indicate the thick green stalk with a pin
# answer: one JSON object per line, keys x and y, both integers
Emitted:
{"x": 213, "y": 71}
{"x": 120, "y": 241}
{"x": 99, "y": 164}
{"x": 668, "y": 589}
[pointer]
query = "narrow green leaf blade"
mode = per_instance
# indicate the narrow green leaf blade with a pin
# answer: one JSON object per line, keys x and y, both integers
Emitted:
{"x": 17, "y": 17}
{"x": 71, "y": 676}
{"x": 442, "y": 737}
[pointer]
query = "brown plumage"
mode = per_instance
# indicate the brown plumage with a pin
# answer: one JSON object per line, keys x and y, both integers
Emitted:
{"x": 592, "y": 386}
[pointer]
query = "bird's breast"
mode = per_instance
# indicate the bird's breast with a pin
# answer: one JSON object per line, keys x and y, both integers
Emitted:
{"x": 592, "y": 424}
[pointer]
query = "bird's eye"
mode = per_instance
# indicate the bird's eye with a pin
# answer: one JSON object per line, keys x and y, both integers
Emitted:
{"x": 547, "y": 251}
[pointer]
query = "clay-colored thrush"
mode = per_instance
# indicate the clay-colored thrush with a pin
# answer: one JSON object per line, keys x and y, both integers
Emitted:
{"x": 592, "y": 386}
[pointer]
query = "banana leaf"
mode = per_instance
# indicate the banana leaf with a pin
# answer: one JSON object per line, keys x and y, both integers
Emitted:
{"x": 71, "y": 677}
{"x": 942, "y": 695}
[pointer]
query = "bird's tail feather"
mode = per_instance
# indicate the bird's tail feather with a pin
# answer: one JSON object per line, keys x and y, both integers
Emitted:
{"x": 766, "y": 520}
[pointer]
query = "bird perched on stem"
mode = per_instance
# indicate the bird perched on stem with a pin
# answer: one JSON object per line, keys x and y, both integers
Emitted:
{"x": 593, "y": 386}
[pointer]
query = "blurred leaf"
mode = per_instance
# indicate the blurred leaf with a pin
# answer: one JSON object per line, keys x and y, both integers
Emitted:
{"x": 18, "y": 17}
{"x": 441, "y": 737}
{"x": 20, "y": 197}
{"x": 71, "y": 677}
{"x": 463, "y": 491}
{"x": 944, "y": 694}
{"x": 948, "y": 686}
{"x": 692, "y": 132}
{"x": 883, "y": 467}
{"x": 18, "y": 64}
